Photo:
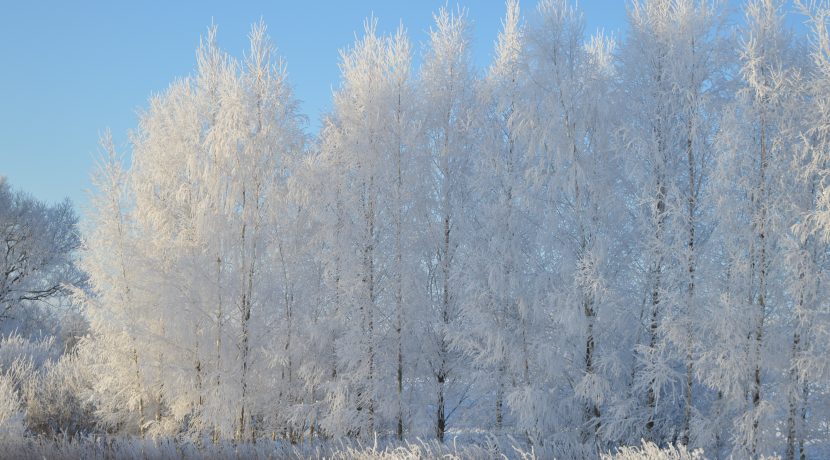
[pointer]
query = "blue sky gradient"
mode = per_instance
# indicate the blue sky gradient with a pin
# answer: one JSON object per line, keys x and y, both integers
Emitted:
{"x": 72, "y": 69}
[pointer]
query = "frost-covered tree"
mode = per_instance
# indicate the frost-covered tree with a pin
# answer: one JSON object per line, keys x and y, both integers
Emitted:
{"x": 209, "y": 162}
{"x": 368, "y": 147}
{"x": 37, "y": 242}
{"x": 759, "y": 195}
{"x": 572, "y": 143}
{"x": 549, "y": 145}
{"x": 496, "y": 335}
{"x": 119, "y": 394}
{"x": 448, "y": 118}
{"x": 672, "y": 76}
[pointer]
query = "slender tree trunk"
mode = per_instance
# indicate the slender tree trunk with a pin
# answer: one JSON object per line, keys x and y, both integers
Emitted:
{"x": 443, "y": 350}
{"x": 368, "y": 309}
{"x": 762, "y": 283}
{"x": 718, "y": 411}
{"x": 657, "y": 267}
{"x": 160, "y": 393}
{"x": 199, "y": 384}
{"x": 201, "y": 399}
{"x": 509, "y": 301}
{"x": 245, "y": 310}
{"x": 219, "y": 319}
{"x": 246, "y": 316}
{"x": 691, "y": 203}
{"x": 500, "y": 390}
{"x": 591, "y": 412}
{"x": 371, "y": 315}
{"x": 805, "y": 393}
{"x": 792, "y": 412}
{"x": 289, "y": 317}
{"x": 660, "y": 207}
{"x": 141, "y": 421}
{"x": 795, "y": 380}
{"x": 128, "y": 300}
{"x": 337, "y": 289}
{"x": 440, "y": 416}
{"x": 399, "y": 270}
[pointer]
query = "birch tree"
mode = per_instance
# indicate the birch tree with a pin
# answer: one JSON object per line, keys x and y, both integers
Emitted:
{"x": 447, "y": 94}
{"x": 758, "y": 138}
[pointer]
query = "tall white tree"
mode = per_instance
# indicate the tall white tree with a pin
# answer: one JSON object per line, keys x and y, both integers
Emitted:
{"x": 759, "y": 136}
{"x": 209, "y": 164}
{"x": 447, "y": 84}
{"x": 496, "y": 336}
{"x": 369, "y": 145}
{"x": 673, "y": 72}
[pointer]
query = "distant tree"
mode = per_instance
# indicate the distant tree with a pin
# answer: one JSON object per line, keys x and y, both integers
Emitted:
{"x": 37, "y": 246}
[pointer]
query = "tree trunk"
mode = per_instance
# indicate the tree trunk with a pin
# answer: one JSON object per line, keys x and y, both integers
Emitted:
{"x": 399, "y": 271}
{"x": 219, "y": 314}
{"x": 337, "y": 289}
{"x": 289, "y": 326}
{"x": 792, "y": 412}
{"x": 245, "y": 307}
{"x": 805, "y": 393}
{"x": 141, "y": 421}
{"x": 591, "y": 411}
{"x": 368, "y": 309}
{"x": 691, "y": 203}
{"x": 440, "y": 421}
{"x": 657, "y": 269}
{"x": 762, "y": 283}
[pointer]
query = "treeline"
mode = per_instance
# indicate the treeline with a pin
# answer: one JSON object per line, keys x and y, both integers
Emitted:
{"x": 588, "y": 244}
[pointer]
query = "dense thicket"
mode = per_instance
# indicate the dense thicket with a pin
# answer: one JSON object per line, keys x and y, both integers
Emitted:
{"x": 588, "y": 244}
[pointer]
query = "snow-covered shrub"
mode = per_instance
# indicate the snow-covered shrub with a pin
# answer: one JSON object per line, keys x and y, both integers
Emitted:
{"x": 56, "y": 401}
{"x": 47, "y": 389}
{"x": 11, "y": 411}
{"x": 16, "y": 347}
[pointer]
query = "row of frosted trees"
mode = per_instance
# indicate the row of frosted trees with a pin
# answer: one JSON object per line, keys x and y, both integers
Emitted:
{"x": 586, "y": 245}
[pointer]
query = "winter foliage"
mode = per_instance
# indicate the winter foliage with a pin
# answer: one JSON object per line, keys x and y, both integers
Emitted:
{"x": 595, "y": 242}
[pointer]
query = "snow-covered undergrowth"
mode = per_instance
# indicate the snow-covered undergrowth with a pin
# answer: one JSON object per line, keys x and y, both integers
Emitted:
{"x": 147, "y": 449}
{"x": 650, "y": 451}
{"x": 11, "y": 415}
{"x": 135, "y": 448}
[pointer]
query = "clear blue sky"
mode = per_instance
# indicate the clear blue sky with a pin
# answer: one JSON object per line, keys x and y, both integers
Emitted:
{"x": 71, "y": 69}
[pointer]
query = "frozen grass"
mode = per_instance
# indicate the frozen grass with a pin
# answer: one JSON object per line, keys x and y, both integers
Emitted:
{"x": 650, "y": 451}
{"x": 146, "y": 449}
{"x": 163, "y": 449}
